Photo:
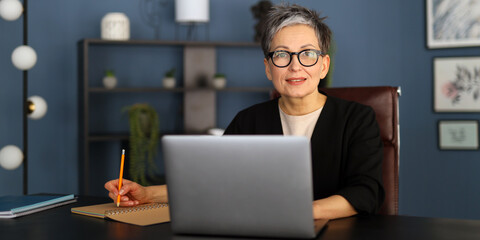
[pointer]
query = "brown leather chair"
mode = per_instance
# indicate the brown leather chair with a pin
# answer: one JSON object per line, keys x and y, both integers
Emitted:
{"x": 384, "y": 101}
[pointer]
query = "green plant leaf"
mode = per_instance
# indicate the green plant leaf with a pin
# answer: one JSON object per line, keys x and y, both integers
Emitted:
{"x": 170, "y": 73}
{"x": 219, "y": 75}
{"x": 109, "y": 73}
{"x": 143, "y": 141}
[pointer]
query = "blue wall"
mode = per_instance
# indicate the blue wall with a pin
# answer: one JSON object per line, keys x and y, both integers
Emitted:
{"x": 378, "y": 43}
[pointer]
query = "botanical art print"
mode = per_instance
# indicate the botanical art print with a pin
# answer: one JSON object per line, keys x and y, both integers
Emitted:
{"x": 457, "y": 84}
{"x": 458, "y": 134}
{"x": 453, "y": 23}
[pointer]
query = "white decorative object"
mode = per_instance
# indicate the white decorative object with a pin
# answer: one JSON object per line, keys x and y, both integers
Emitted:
{"x": 189, "y": 11}
{"x": 37, "y": 107}
{"x": 10, "y": 157}
{"x": 168, "y": 82}
{"x": 109, "y": 81}
{"x": 169, "y": 79}
{"x": 115, "y": 26}
{"x": 10, "y": 10}
{"x": 219, "y": 82}
{"x": 24, "y": 57}
{"x": 216, "y": 131}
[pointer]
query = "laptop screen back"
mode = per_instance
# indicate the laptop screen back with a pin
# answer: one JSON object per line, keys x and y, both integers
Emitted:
{"x": 240, "y": 185}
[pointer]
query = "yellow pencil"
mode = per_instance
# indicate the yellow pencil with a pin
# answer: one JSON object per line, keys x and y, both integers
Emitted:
{"x": 121, "y": 176}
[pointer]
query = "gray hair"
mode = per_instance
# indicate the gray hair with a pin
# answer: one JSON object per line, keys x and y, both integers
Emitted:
{"x": 284, "y": 15}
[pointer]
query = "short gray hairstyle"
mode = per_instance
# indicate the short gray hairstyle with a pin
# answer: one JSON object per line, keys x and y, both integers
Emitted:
{"x": 284, "y": 15}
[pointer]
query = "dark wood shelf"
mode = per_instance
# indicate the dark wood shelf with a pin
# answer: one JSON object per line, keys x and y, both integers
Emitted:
{"x": 160, "y": 89}
{"x": 139, "y": 42}
{"x": 101, "y": 137}
{"x": 245, "y": 89}
{"x": 120, "y": 136}
{"x": 134, "y": 89}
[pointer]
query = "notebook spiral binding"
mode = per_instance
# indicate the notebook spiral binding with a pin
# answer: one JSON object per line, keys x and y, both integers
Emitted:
{"x": 135, "y": 209}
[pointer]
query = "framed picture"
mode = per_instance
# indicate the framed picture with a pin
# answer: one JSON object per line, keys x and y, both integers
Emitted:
{"x": 458, "y": 134}
{"x": 453, "y": 23}
{"x": 456, "y": 83}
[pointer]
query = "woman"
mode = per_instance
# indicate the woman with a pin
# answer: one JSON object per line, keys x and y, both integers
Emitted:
{"x": 345, "y": 138}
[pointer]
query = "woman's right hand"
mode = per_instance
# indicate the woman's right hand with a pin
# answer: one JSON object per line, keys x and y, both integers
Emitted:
{"x": 131, "y": 193}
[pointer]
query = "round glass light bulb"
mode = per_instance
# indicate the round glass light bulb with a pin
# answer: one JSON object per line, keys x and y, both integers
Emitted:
{"x": 10, "y": 10}
{"x": 11, "y": 157}
{"x": 24, "y": 57}
{"x": 37, "y": 107}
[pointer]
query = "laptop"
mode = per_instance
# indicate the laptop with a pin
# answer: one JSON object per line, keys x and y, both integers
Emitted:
{"x": 240, "y": 185}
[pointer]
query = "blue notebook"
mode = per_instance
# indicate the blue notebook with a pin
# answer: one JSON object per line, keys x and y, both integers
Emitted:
{"x": 16, "y": 206}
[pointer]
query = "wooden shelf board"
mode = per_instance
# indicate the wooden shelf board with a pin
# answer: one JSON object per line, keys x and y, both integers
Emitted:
{"x": 159, "y": 89}
{"x": 140, "y": 42}
{"x": 121, "y": 136}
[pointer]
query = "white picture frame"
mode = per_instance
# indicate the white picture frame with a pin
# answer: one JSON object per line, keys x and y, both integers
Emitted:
{"x": 458, "y": 135}
{"x": 452, "y": 23}
{"x": 456, "y": 83}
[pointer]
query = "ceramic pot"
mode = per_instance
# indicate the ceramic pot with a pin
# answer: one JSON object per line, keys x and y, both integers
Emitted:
{"x": 115, "y": 26}
{"x": 168, "y": 82}
{"x": 109, "y": 82}
{"x": 219, "y": 82}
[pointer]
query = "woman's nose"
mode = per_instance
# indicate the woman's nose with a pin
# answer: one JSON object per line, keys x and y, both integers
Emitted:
{"x": 295, "y": 64}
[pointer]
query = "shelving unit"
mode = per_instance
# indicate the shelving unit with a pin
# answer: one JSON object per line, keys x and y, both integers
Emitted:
{"x": 199, "y": 113}
{"x": 143, "y": 90}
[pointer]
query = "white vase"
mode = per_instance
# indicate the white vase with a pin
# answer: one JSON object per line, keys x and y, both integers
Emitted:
{"x": 168, "y": 82}
{"x": 115, "y": 26}
{"x": 109, "y": 82}
{"x": 219, "y": 82}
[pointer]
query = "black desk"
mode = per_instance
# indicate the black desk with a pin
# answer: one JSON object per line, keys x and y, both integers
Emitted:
{"x": 59, "y": 223}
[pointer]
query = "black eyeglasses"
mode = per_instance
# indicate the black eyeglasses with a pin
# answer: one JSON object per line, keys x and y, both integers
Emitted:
{"x": 307, "y": 57}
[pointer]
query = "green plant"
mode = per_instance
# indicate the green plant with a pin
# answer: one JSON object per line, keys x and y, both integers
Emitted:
{"x": 109, "y": 73}
{"x": 143, "y": 141}
{"x": 219, "y": 75}
{"x": 170, "y": 73}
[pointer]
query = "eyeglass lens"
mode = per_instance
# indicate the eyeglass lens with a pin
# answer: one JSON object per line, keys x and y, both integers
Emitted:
{"x": 306, "y": 58}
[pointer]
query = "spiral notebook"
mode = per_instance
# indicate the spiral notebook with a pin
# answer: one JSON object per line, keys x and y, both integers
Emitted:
{"x": 142, "y": 215}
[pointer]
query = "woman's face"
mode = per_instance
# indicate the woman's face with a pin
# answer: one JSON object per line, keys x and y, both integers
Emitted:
{"x": 296, "y": 80}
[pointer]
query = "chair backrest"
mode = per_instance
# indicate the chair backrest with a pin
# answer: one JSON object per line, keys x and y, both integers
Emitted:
{"x": 384, "y": 101}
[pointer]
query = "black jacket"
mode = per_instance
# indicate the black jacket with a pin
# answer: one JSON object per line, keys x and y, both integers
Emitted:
{"x": 346, "y": 147}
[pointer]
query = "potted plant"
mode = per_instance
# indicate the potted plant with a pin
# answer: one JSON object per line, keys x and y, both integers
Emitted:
{"x": 169, "y": 79}
{"x": 219, "y": 81}
{"x": 143, "y": 142}
{"x": 109, "y": 80}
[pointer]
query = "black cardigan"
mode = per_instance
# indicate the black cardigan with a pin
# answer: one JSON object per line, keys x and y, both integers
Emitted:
{"x": 346, "y": 147}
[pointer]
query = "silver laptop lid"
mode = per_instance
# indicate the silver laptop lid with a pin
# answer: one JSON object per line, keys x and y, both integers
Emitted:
{"x": 240, "y": 185}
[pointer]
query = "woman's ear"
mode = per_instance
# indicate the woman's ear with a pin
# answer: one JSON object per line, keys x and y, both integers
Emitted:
{"x": 267, "y": 69}
{"x": 325, "y": 66}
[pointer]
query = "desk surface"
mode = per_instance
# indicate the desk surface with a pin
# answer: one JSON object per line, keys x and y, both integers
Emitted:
{"x": 59, "y": 223}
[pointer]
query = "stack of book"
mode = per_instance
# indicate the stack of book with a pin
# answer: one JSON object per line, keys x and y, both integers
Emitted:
{"x": 16, "y": 206}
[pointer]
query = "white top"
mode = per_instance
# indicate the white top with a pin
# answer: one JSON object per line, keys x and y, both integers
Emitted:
{"x": 302, "y": 125}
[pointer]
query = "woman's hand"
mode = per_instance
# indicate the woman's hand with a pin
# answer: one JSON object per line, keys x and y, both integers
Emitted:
{"x": 332, "y": 207}
{"x": 132, "y": 193}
